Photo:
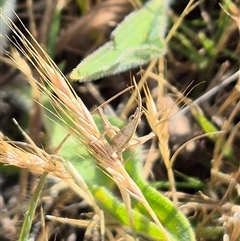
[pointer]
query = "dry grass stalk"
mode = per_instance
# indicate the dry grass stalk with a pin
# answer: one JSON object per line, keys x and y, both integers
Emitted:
{"x": 84, "y": 127}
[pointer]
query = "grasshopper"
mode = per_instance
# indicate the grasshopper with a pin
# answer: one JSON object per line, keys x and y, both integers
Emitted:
{"x": 122, "y": 139}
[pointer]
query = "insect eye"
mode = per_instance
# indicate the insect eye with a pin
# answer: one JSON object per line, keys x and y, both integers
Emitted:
{"x": 131, "y": 117}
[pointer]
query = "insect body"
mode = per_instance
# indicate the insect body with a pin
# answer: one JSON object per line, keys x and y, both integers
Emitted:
{"x": 122, "y": 139}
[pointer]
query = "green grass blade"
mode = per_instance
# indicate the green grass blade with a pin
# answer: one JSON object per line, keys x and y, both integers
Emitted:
{"x": 27, "y": 224}
{"x": 170, "y": 217}
{"x": 208, "y": 127}
{"x": 137, "y": 40}
{"x": 143, "y": 226}
{"x": 100, "y": 186}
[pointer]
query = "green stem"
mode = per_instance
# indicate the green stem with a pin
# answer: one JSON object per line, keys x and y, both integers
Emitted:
{"x": 24, "y": 235}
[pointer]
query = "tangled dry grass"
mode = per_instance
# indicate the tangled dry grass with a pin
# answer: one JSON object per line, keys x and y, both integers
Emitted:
{"x": 182, "y": 144}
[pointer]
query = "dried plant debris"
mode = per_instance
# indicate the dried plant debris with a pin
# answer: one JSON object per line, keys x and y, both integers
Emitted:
{"x": 193, "y": 154}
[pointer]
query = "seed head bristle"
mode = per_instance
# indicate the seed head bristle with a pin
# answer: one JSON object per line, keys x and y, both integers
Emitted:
{"x": 83, "y": 126}
{"x": 13, "y": 155}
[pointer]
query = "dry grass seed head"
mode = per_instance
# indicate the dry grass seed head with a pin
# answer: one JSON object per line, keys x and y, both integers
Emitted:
{"x": 84, "y": 128}
{"x": 159, "y": 126}
{"x": 14, "y": 155}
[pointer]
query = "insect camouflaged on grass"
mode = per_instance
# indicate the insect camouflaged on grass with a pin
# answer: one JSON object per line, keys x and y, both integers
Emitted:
{"x": 122, "y": 139}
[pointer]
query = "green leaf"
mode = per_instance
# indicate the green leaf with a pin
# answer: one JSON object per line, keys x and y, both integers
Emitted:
{"x": 137, "y": 40}
{"x": 101, "y": 185}
{"x": 29, "y": 216}
{"x": 110, "y": 204}
{"x": 170, "y": 217}
{"x": 72, "y": 150}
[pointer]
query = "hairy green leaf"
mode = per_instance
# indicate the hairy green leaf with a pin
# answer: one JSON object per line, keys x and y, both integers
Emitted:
{"x": 138, "y": 39}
